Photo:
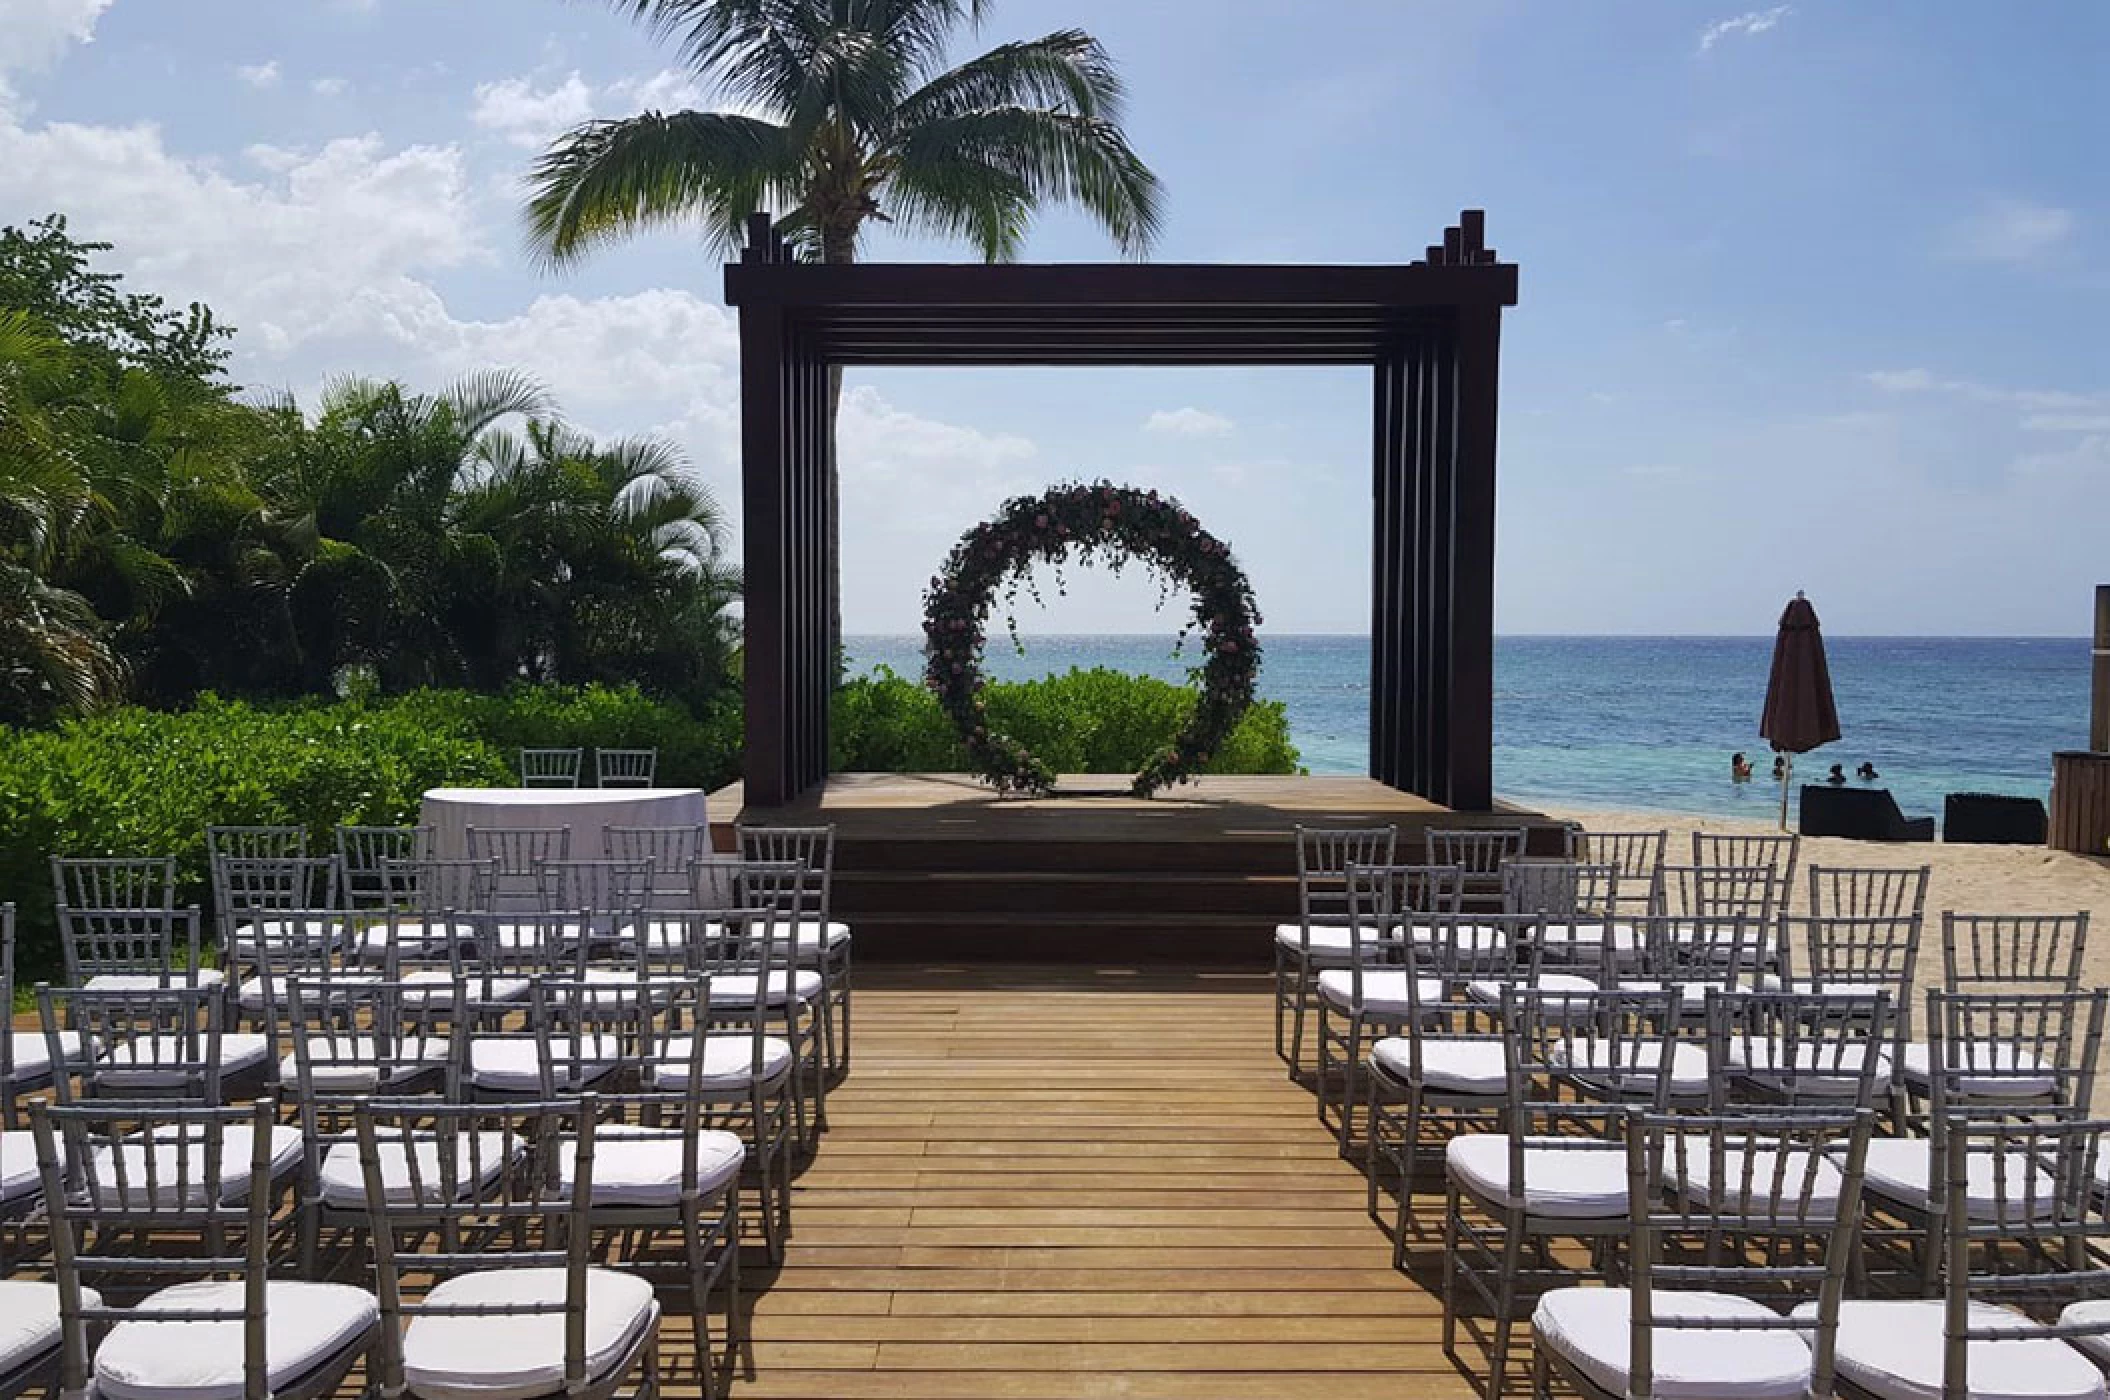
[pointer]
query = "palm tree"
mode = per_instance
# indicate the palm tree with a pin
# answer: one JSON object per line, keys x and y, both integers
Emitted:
{"x": 850, "y": 116}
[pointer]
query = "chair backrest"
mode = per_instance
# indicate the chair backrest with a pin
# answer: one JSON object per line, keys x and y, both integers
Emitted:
{"x": 1635, "y": 854}
{"x": 790, "y": 889}
{"x": 304, "y": 943}
{"x": 157, "y": 943}
{"x": 1688, "y": 950}
{"x": 1867, "y": 891}
{"x": 811, "y": 846}
{"x": 1324, "y": 855}
{"x": 485, "y": 1170}
{"x": 365, "y": 852}
{"x": 158, "y": 1043}
{"x": 1788, "y": 1180}
{"x": 519, "y": 849}
{"x": 1413, "y": 913}
{"x": 1560, "y": 890}
{"x": 1556, "y": 1041}
{"x": 433, "y": 887}
{"x": 626, "y": 767}
{"x": 7, "y": 999}
{"x": 1798, "y": 1049}
{"x": 1740, "y": 850}
{"x": 671, "y": 849}
{"x": 253, "y": 891}
{"x": 172, "y": 1174}
{"x": 617, "y": 889}
{"x": 1721, "y": 891}
{"x": 1475, "y": 852}
{"x": 2020, "y": 951}
{"x": 2019, "y": 1053}
{"x": 2023, "y": 1231}
{"x": 114, "y": 882}
{"x": 1863, "y": 953}
{"x": 551, "y": 768}
{"x": 255, "y": 842}
{"x": 356, "y": 1036}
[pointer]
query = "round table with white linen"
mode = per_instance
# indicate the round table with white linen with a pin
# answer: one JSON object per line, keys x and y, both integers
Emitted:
{"x": 450, "y": 812}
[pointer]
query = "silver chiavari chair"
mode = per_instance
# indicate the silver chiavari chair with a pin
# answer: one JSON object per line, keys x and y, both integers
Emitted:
{"x": 518, "y": 851}
{"x": 618, "y": 768}
{"x": 792, "y": 997}
{"x": 1798, "y": 1050}
{"x": 365, "y": 853}
{"x": 823, "y": 940}
{"x": 1320, "y": 938}
{"x": 256, "y": 897}
{"x": 1584, "y": 921}
{"x": 27, "y": 1064}
{"x": 151, "y": 1043}
{"x": 1846, "y": 891}
{"x": 672, "y": 851}
{"x": 550, "y": 768}
{"x": 255, "y": 842}
{"x": 1480, "y": 854}
{"x": 1856, "y": 956}
{"x": 1638, "y": 856}
{"x": 196, "y": 1186}
{"x": 2020, "y": 952}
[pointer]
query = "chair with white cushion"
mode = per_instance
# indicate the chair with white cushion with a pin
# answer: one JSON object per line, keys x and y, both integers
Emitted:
{"x": 671, "y": 849}
{"x": 1797, "y": 1050}
{"x": 2019, "y": 1310}
{"x": 1690, "y": 954}
{"x": 1481, "y": 854}
{"x": 434, "y": 907}
{"x": 735, "y": 1060}
{"x": 1696, "y": 1320}
{"x": 663, "y": 1169}
{"x": 1319, "y": 937}
{"x": 363, "y": 852}
{"x": 201, "y": 1198}
{"x": 1838, "y": 891}
{"x": 599, "y": 896}
{"x": 352, "y": 1038}
{"x": 1378, "y": 984}
{"x": 621, "y": 768}
{"x": 134, "y": 949}
{"x": 1637, "y": 855}
{"x": 823, "y": 940}
{"x": 790, "y": 997}
{"x": 2016, "y": 952}
{"x": 304, "y": 943}
{"x": 550, "y": 768}
{"x": 253, "y": 896}
{"x": 1585, "y": 921}
{"x": 517, "y": 851}
{"x": 1855, "y": 955}
{"x": 114, "y": 882}
{"x": 151, "y": 1043}
{"x": 576, "y": 1035}
{"x": 1557, "y": 1170}
{"x": 476, "y": 1319}
{"x": 26, "y": 1062}
{"x": 1995, "y": 1056}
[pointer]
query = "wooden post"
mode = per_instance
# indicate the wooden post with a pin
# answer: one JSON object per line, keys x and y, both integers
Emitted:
{"x": 2099, "y": 704}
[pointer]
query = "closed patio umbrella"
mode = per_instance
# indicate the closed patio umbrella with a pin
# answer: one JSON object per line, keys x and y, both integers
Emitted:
{"x": 1799, "y": 711}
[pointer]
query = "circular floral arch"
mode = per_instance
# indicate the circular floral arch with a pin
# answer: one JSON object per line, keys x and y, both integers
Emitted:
{"x": 1089, "y": 523}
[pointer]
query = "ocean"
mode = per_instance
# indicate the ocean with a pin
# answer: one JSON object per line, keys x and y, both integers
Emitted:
{"x": 1650, "y": 722}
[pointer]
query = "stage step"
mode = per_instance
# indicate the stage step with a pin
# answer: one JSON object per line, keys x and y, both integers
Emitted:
{"x": 1010, "y": 892}
{"x": 1107, "y": 940}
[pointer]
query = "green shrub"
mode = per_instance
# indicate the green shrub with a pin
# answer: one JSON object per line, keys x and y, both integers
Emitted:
{"x": 1083, "y": 721}
{"x": 145, "y": 782}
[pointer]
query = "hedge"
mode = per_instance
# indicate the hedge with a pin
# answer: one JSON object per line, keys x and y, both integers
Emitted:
{"x": 1083, "y": 721}
{"x": 144, "y": 782}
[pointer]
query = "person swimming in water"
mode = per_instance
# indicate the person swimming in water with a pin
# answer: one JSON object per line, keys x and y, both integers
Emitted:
{"x": 1739, "y": 768}
{"x": 1867, "y": 772}
{"x": 1837, "y": 777}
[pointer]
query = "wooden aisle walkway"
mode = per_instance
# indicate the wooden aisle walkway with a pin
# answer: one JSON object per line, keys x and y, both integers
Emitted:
{"x": 1064, "y": 1184}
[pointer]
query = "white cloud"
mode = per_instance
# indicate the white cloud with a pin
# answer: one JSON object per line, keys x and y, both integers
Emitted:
{"x": 330, "y": 87}
{"x": 1188, "y": 422}
{"x": 1747, "y": 25}
{"x": 2009, "y": 231}
{"x": 35, "y": 33}
{"x": 668, "y": 90}
{"x": 529, "y": 116}
{"x": 1902, "y": 380}
{"x": 260, "y": 75}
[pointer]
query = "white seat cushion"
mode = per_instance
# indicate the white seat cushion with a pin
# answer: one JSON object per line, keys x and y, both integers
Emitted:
{"x": 1900, "y": 1170}
{"x": 1759, "y": 1178}
{"x": 521, "y": 1356}
{"x": 811, "y": 936}
{"x": 431, "y": 987}
{"x": 259, "y": 993}
{"x": 29, "y": 1320}
{"x": 1840, "y": 987}
{"x": 412, "y": 935}
{"x": 634, "y": 1168}
{"x": 162, "y": 1061}
{"x": 1591, "y": 1329}
{"x": 1473, "y": 938}
{"x": 1448, "y": 1064}
{"x": 478, "y": 1162}
{"x": 1894, "y": 1350}
{"x": 2003, "y": 1071}
{"x": 307, "y": 1325}
{"x": 180, "y": 1156}
{"x": 514, "y": 1065}
{"x": 345, "y": 1064}
{"x": 1385, "y": 991}
{"x": 1586, "y": 938}
{"x": 1630, "y": 1067}
{"x": 154, "y": 981}
{"x": 32, "y": 1053}
{"x": 728, "y": 1062}
{"x": 1564, "y": 1178}
{"x": 2094, "y": 1312}
{"x": 1489, "y": 990}
{"x": 517, "y": 935}
{"x": 1692, "y": 996}
{"x": 1826, "y": 1069}
{"x": 784, "y": 987}
{"x": 1330, "y": 943}
{"x": 18, "y": 1167}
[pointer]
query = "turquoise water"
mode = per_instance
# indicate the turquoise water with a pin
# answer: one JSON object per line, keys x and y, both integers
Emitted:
{"x": 1651, "y": 722}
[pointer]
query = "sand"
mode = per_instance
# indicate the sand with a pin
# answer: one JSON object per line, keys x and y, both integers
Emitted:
{"x": 1966, "y": 879}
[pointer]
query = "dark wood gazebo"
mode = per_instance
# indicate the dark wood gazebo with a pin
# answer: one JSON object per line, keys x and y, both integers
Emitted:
{"x": 1430, "y": 330}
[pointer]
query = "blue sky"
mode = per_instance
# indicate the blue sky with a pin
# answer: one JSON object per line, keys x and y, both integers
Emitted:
{"x": 1813, "y": 295}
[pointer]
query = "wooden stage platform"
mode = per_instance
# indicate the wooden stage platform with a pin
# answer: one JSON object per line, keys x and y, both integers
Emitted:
{"x": 1060, "y": 1184}
{"x": 935, "y": 867}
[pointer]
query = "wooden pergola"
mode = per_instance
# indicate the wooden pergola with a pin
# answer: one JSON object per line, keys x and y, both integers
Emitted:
{"x": 1430, "y": 331}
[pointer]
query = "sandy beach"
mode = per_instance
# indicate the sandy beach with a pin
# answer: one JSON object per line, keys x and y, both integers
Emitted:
{"x": 1967, "y": 879}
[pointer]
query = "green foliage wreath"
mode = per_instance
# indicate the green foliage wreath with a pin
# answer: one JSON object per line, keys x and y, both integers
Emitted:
{"x": 1099, "y": 522}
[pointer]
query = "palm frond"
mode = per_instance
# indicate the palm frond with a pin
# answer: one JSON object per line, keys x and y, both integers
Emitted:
{"x": 1053, "y": 156}
{"x": 479, "y": 400}
{"x": 1064, "y": 71}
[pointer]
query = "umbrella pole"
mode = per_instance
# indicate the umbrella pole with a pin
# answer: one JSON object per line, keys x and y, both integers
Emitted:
{"x": 1787, "y": 775}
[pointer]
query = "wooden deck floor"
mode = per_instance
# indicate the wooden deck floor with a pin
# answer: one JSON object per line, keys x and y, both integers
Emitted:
{"x": 1058, "y": 1183}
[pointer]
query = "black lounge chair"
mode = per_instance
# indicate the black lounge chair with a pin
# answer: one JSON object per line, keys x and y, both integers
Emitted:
{"x": 1863, "y": 814}
{"x": 1991, "y": 819}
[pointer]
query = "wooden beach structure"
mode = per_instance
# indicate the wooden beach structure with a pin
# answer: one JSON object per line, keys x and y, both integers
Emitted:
{"x": 2080, "y": 778}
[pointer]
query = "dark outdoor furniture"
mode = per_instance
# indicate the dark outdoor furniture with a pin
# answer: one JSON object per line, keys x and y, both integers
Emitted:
{"x": 1863, "y": 814}
{"x": 1991, "y": 819}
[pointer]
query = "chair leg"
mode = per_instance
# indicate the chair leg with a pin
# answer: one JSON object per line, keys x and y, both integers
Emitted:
{"x": 1349, "y": 1065}
{"x": 1409, "y": 1143}
{"x": 1450, "y": 1271}
{"x": 700, "y": 1295}
{"x": 1505, "y": 1308}
{"x": 1300, "y": 995}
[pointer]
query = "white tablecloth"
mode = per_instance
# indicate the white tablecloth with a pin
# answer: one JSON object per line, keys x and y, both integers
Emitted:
{"x": 450, "y": 812}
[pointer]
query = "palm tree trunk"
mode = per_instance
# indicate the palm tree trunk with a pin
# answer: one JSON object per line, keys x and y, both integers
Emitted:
{"x": 838, "y": 245}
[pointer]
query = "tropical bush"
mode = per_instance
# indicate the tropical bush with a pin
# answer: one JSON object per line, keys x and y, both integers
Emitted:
{"x": 1083, "y": 721}
{"x": 133, "y": 781}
